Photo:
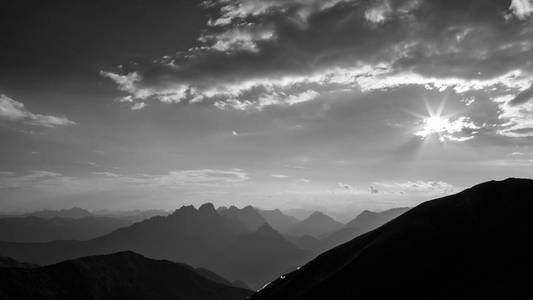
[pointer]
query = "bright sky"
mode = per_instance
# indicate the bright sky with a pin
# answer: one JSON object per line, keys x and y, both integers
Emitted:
{"x": 331, "y": 104}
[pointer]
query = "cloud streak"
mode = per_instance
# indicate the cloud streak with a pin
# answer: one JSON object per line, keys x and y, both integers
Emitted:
{"x": 12, "y": 110}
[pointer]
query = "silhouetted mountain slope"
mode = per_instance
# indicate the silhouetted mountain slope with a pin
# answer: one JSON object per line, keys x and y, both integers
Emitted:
{"x": 317, "y": 224}
{"x": 36, "y": 229}
{"x": 258, "y": 257}
{"x": 247, "y": 216}
{"x": 472, "y": 245}
{"x": 364, "y": 222}
{"x": 369, "y": 220}
{"x": 278, "y": 220}
{"x": 8, "y": 262}
{"x": 124, "y": 275}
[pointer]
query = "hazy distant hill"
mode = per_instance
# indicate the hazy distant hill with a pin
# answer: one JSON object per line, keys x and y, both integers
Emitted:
{"x": 316, "y": 225}
{"x": 278, "y": 220}
{"x": 247, "y": 216}
{"x": 253, "y": 255}
{"x": 364, "y": 222}
{"x": 73, "y": 213}
{"x": 193, "y": 236}
{"x": 473, "y": 245}
{"x": 123, "y": 275}
{"x": 37, "y": 229}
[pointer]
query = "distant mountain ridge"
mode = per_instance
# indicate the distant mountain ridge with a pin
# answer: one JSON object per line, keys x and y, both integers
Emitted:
{"x": 73, "y": 213}
{"x": 200, "y": 237}
{"x": 472, "y": 245}
{"x": 124, "y": 275}
{"x": 278, "y": 220}
{"x": 316, "y": 225}
{"x": 252, "y": 255}
{"x": 247, "y": 216}
{"x": 37, "y": 229}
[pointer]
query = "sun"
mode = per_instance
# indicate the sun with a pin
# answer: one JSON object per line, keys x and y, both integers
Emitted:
{"x": 434, "y": 125}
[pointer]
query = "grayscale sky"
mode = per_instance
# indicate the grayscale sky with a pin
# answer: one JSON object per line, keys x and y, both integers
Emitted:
{"x": 330, "y": 104}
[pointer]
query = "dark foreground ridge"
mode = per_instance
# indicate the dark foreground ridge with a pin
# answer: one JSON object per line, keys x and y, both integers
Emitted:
{"x": 123, "y": 275}
{"x": 476, "y": 244}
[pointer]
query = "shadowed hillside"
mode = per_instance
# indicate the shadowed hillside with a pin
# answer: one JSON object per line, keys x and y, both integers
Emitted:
{"x": 472, "y": 245}
{"x": 123, "y": 275}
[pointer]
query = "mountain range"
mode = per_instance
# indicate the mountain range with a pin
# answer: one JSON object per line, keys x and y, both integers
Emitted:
{"x": 472, "y": 245}
{"x": 200, "y": 237}
{"x": 124, "y": 275}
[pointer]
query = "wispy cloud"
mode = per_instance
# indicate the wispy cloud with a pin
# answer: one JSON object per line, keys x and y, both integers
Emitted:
{"x": 414, "y": 187}
{"x": 111, "y": 180}
{"x": 12, "y": 110}
{"x": 279, "y": 176}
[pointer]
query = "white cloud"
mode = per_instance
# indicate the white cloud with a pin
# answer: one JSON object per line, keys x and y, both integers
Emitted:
{"x": 243, "y": 37}
{"x": 459, "y": 130}
{"x": 138, "y": 106}
{"x": 108, "y": 181}
{"x": 418, "y": 187}
{"x": 12, "y": 110}
{"x": 518, "y": 119}
{"x": 379, "y": 13}
{"x": 517, "y": 153}
{"x": 522, "y": 8}
{"x": 279, "y": 176}
{"x": 235, "y": 10}
{"x": 301, "y": 97}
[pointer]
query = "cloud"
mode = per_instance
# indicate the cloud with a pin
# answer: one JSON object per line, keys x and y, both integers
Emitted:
{"x": 345, "y": 186}
{"x": 12, "y": 110}
{"x": 517, "y": 153}
{"x": 279, "y": 176}
{"x": 138, "y": 106}
{"x": 373, "y": 190}
{"x": 181, "y": 179}
{"x": 255, "y": 54}
{"x": 459, "y": 130}
{"x": 523, "y": 97}
{"x": 11, "y": 180}
{"x": 522, "y": 8}
{"x": 517, "y": 119}
{"x": 418, "y": 187}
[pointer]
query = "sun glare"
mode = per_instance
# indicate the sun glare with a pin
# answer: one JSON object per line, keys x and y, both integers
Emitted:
{"x": 434, "y": 124}
{"x": 445, "y": 127}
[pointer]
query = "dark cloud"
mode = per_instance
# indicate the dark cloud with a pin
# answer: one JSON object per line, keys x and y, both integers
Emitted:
{"x": 522, "y": 97}
{"x": 258, "y": 53}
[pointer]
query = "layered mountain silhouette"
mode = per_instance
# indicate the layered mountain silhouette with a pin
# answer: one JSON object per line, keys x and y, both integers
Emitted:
{"x": 72, "y": 213}
{"x": 38, "y": 229}
{"x": 247, "y": 216}
{"x": 278, "y": 220}
{"x": 251, "y": 256}
{"x": 200, "y": 237}
{"x": 124, "y": 275}
{"x": 472, "y": 245}
{"x": 316, "y": 225}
